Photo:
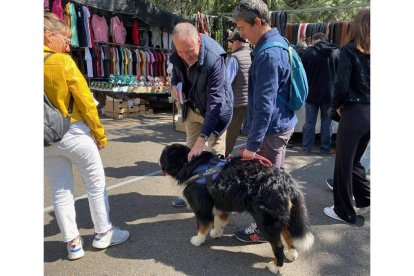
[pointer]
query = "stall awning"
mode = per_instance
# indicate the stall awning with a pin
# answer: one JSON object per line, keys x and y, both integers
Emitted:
{"x": 142, "y": 9}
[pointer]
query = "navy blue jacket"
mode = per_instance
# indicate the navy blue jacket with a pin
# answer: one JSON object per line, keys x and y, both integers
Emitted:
{"x": 206, "y": 86}
{"x": 268, "y": 76}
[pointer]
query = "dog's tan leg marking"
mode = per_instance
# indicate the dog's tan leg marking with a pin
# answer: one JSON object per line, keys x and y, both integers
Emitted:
{"x": 220, "y": 221}
{"x": 291, "y": 254}
{"x": 201, "y": 235}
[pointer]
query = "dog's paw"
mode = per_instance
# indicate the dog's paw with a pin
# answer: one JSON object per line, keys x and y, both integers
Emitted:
{"x": 291, "y": 254}
{"x": 216, "y": 233}
{"x": 198, "y": 240}
{"x": 274, "y": 268}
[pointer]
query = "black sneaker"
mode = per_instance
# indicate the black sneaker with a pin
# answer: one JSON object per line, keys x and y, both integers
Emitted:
{"x": 179, "y": 202}
{"x": 251, "y": 234}
{"x": 329, "y": 183}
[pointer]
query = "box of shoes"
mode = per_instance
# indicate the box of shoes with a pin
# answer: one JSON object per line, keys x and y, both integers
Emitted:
{"x": 116, "y": 106}
{"x": 116, "y": 115}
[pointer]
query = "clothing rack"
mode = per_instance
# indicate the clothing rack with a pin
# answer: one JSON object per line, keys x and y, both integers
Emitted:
{"x": 134, "y": 46}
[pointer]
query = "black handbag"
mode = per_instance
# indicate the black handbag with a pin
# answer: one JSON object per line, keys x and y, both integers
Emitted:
{"x": 55, "y": 125}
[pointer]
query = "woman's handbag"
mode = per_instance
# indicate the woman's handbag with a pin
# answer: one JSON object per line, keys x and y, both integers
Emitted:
{"x": 55, "y": 125}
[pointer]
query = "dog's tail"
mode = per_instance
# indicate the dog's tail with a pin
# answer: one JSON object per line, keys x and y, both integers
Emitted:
{"x": 298, "y": 227}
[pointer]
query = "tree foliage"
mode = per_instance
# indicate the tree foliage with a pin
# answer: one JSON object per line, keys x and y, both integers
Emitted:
{"x": 186, "y": 8}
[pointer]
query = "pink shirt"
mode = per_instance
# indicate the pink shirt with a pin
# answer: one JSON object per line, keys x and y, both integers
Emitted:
{"x": 118, "y": 31}
{"x": 100, "y": 28}
{"x": 57, "y": 9}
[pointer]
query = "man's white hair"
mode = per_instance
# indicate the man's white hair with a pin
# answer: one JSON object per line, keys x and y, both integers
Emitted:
{"x": 183, "y": 30}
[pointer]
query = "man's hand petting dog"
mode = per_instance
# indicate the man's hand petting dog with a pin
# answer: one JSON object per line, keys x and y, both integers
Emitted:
{"x": 197, "y": 149}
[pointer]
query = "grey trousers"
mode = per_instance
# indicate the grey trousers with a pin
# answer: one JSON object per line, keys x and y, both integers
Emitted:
{"x": 274, "y": 148}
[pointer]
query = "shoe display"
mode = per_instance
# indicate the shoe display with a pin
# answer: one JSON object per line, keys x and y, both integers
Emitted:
{"x": 75, "y": 249}
{"x": 112, "y": 237}
{"x": 250, "y": 234}
{"x": 179, "y": 202}
{"x": 329, "y": 211}
{"x": 329, "y": 183}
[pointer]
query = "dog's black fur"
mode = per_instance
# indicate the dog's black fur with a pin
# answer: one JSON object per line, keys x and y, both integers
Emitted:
{"x": 271, "y": 196}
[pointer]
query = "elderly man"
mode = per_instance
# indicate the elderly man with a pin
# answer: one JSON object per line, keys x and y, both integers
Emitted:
{"x": 199, "y": 64}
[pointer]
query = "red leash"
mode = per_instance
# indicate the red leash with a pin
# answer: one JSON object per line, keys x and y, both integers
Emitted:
{"x": 261, "y": 159}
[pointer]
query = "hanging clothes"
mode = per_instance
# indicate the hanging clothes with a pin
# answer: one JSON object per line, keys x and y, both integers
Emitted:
{"x": 86, "y": 19}
{"x": 57, "y": 9}
{"x": 117, "y": 30}
{"x": 135, "y": 32}
{"x": 100, "y": 28}
{"x": 74, "y": 40}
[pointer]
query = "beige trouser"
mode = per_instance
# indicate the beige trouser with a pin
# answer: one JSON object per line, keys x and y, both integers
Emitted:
{"x": 193, "y": 124}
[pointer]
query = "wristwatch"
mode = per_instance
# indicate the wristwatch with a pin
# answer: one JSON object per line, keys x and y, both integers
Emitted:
{"x": 205, "y": 137}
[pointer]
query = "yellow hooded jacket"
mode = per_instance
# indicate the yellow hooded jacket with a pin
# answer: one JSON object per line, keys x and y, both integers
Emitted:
{"x": 62, "y": 78}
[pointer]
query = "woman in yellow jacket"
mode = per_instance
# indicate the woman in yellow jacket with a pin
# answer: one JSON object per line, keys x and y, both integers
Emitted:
{"x": 80, "y": 145}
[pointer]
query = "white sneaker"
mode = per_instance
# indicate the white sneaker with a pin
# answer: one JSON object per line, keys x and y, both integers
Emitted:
{"x": 362, "y": 211}
{"x": 112, "y": 237}
{"x": 75, "y": 249}
{"x": 329, "y": 211}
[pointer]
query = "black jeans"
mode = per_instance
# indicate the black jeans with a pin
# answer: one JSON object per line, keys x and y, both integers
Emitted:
{"x": 349, "y": 175}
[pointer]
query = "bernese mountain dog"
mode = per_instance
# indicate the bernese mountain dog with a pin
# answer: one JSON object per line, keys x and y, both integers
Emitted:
{"x": 269, "y": 195}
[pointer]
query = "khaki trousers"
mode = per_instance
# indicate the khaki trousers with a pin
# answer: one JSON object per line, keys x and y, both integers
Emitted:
{"x": 193, "y": 124}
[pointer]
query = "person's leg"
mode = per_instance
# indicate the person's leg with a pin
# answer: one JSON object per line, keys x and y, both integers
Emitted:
{"x": 274, "y": 148}
{"x": 58, "y": 171}
{"x": 360, "y": 185}
{"x": 348, "y": 139}
{"x": 326, "y": 129}
{"x": 365, "y": 159}
{"x": 217, "y": 145}
{"x": 85, "y": 156}
{"x": 308, "y": 129}
{"x": 234, "y": 128}
{"x": 193, "y": 124}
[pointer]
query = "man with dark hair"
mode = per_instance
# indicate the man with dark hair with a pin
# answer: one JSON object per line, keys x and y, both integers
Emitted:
{"x": 238, "y": 65}
{"x": 269, "y": 123}
{"x": 320, "y": 62}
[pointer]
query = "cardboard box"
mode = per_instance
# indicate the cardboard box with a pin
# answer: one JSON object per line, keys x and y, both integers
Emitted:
{"x": 133, "y": 114}
{"x": 115, "y": 115}
{"x": 133, "y": 109}
{"x": 149, "y": 111}
{"x": 142, "y": 107}
{"x": 117, "y": 107}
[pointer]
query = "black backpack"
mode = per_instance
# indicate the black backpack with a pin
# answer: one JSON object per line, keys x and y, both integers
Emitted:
{"x": 55, "y": 125}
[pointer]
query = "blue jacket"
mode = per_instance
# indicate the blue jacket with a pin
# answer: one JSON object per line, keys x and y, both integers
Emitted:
{"x": 268, "y": 76}
{"x": 206, "y": 86}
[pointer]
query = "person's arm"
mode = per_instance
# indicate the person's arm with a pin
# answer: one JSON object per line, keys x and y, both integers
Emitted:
{"x": 343, "y": 77}
{"x": 265, "y": 89}
{"x": 84, "y": 101}
{"x": 232, "y": 68}
{"x": 215, "y": 94}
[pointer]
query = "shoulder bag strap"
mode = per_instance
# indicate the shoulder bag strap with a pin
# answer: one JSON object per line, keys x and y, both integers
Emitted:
{"x": 71, "y": 97}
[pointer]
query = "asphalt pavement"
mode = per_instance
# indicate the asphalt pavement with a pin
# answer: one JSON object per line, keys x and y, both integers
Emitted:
{"x": 140, "y": 201}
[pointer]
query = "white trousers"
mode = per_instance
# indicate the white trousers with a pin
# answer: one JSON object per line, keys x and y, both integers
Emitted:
{"x": 76, "y": 148}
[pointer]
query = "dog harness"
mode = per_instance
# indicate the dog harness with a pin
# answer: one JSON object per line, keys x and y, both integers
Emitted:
{"x": 205, "y": 174}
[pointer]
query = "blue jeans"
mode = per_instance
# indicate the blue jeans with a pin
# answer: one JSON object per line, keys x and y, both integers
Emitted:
{"x": 308, "y": 129}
